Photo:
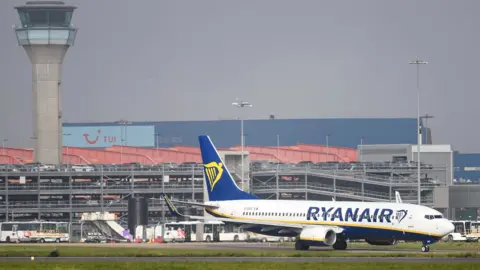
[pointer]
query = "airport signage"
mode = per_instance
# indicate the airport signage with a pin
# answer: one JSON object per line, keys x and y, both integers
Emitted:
{"x": 107, "y": 136}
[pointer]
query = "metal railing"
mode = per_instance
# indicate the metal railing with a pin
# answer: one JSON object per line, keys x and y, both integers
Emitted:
{"x": 49, "y": 169}
{"x": 75, "y": 204}
{"x": 348, "y": 175}
{"x": 107, "y": 188}
{"x": 338, "y": 190}
{"x": 353, "y": 167}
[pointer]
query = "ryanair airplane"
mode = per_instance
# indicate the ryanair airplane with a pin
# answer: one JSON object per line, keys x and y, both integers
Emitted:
{"x": 314, "y": 223}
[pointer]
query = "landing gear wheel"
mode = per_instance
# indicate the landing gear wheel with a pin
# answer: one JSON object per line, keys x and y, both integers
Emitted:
{"x": 340, "y": 245}
{"x": 425, "y": 248}
{"x": 299, "y": 245}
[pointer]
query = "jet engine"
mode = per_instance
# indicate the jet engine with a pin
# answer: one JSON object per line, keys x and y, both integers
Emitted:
{"x": 381, "y": 242}
{"x": 318, "y": 236}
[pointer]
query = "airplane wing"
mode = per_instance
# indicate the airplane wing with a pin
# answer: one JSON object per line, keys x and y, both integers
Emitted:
{"x": 266, "y": 225}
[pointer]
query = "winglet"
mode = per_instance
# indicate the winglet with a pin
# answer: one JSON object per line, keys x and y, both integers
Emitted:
{"x": 397, "y": 197}
{"x": 173, "y": 210}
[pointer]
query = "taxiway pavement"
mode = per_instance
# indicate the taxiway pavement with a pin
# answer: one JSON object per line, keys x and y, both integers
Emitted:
{"x": 244, "y": 259}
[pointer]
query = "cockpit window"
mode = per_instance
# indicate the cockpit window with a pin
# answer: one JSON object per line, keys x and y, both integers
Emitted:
{"x": 433, "y": 216}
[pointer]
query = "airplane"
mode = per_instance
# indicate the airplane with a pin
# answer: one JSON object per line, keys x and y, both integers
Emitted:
{"x": 313, "y": 223}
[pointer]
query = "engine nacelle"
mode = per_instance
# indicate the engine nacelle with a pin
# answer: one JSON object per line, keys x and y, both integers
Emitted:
{"x": 318, "y": 236}
{"x": 381, "y": 242}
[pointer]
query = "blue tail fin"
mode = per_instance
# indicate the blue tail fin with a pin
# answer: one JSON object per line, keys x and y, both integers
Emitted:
{"x": 220, "y": 184}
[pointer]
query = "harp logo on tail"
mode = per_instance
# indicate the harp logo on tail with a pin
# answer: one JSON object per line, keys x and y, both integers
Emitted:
{"x": 213, "y": 172}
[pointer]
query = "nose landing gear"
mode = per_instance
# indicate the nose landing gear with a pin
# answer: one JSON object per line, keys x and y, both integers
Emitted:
{"x": 425, "y": 243}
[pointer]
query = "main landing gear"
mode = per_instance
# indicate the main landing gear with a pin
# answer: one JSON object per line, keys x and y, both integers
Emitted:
{"x": 300, "y": 245}
{"x": 425, "y": 248}
{"x": 340, "y": 244}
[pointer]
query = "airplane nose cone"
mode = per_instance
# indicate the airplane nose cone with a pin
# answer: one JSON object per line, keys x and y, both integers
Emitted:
{"x": 448, "y": 227}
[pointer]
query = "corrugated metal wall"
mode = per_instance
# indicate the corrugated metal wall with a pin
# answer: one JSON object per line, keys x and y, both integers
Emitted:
{"x": 341, "y": 132}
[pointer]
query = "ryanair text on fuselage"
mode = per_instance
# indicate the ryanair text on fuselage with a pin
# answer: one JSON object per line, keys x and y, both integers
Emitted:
{"x": 353, "y": 214}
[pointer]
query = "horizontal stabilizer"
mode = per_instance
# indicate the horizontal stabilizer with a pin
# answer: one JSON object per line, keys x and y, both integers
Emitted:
{"x": 189, "y": 203}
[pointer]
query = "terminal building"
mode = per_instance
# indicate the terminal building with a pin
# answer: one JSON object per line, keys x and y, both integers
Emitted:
{"x": 314, "y": 159}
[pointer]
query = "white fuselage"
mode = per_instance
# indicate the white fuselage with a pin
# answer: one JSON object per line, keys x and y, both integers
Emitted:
{"x": 359, "y": 220}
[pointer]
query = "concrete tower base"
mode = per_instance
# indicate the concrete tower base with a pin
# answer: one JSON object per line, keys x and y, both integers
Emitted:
{"x": 47, "y": 114}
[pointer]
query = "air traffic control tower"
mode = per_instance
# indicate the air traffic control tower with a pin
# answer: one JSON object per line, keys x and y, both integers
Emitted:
{"x": 46, "y": 34}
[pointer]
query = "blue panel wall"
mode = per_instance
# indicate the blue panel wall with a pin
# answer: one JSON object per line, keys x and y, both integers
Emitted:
{"x": 226, "y": 133}
{"x": 467, "y": 166}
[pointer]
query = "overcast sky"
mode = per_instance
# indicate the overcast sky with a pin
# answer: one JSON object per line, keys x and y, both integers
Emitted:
{"x": 189, "y": 59}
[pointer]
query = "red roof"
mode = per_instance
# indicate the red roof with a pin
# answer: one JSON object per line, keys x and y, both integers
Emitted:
{"x": 118, "y": 154}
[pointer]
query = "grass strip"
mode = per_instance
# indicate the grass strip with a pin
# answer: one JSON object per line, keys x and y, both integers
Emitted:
{"x": 470, "y": 246}
{"x": 112, "y": 251}
{"x": 236, "y": 266}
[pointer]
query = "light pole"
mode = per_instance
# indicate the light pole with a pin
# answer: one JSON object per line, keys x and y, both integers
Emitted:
{"x": 242, "y": 104}
{"x": 418, "y": 62}
{"x": 68, "y": 157}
